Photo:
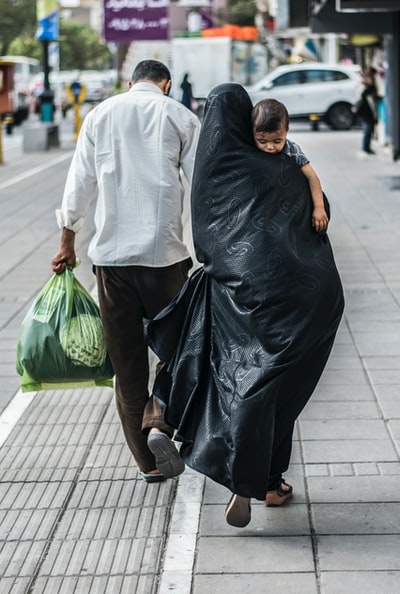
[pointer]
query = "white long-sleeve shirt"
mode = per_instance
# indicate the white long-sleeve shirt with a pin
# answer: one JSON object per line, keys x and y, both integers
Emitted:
{"x": 129, "y": 157}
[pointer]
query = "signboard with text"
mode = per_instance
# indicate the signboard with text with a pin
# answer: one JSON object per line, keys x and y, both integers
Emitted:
{"x": 136, "y": 20}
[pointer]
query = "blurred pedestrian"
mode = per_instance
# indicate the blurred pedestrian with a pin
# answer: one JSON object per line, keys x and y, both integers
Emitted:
{"x": 187, "y": 94}
{"x": 366, "y": 109}
{"x": 128, "y": 159}
{"x": 247, "y": 339}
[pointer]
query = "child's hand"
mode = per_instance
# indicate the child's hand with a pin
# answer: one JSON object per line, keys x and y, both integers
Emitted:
{"x": 320, "y": 219}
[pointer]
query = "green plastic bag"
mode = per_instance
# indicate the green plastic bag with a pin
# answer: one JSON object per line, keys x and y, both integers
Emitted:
{"x": 61, "y": 342}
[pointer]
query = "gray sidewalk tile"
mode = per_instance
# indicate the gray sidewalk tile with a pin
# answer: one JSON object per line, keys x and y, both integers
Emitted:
{"x": 390, "y": 407}
{"x": 33, "y": 496}
{"x": 340, "y": 393}
{"x": 353, "y": 489}
{"x": 378, "y": 303}
{"x": 121, "y": 493}
{"x": 364, "y": 468}
{"x": 394, "y": 427}
{"x": 388, "y": 468}
{"x": 382, "y": 363}
{"x": 240, "y": 554}
{"x": 15, "y": 585}
{"x": 356, "y": 518}
{"x": 20, "y": 558}
{"x": 380, "y": 325}
{"x": 320, "y": 470}
{"x": 257, "y": 583}
{"x": 292, "y": 520}
{"x": 384, "y": 376}
{"x": 356, "y": 450}
{"x": 129, "y": 556}
{"x": 357, "y": 553}
{"x": 345, "y": 375}
{"x": 320, "y": 429}
{"x": 27, "y": 524}
{"x": 339, "y": 362}
{"x": 387, "y": 392}
{"x": 377, "y": 344}
{"x": 367, "y": 582}
{"x": 344, "y": 409}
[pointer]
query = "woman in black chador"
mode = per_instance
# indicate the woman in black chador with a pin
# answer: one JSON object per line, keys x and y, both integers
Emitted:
{"x": 187, "y": 94}
{"x": 247, "y": 339}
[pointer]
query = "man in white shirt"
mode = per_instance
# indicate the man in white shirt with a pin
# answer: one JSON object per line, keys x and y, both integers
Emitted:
{"x": 129, "y": 157}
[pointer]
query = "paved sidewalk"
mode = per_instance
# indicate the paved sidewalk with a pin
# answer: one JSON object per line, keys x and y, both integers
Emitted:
{"x": 74, "y": 515}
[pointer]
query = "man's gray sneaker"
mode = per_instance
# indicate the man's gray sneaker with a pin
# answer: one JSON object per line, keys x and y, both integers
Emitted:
{"x": 168, "y": 460}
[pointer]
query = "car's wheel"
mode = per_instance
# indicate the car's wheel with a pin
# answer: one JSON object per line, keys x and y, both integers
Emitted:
{"x": 340, "y": 116}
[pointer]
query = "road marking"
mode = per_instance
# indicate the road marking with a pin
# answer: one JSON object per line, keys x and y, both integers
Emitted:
{"x": 35, "y": 170}
{"x": 180, "y": 551}
{"x": 13, "y": 412}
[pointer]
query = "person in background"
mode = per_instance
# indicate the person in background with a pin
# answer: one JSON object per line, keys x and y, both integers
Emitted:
{"x": 366, "y": 110}
{"x": 270, "y": 120}
{"x": 128, "y": 159}
{"x": 187, "y": 93}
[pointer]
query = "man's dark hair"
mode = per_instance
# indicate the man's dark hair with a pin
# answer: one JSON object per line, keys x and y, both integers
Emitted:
{"x": 151, "y": 70}
{"x": 269, "y": 115}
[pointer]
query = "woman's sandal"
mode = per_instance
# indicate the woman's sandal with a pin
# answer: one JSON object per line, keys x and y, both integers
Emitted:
{"x": 238, "y": 511}
{"x": 279, "y": 496}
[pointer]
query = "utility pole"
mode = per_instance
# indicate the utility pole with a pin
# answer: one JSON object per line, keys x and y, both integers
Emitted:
{"x": 47, "y": 15}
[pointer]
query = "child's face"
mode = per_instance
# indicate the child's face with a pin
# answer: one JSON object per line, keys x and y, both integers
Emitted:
{"x": 270, "y": 142}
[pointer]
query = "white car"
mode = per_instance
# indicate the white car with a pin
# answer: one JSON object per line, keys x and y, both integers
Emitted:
{"x": 313, "y": 90}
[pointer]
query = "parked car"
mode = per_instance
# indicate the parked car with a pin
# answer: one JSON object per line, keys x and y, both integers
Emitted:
{"x": 313, "y": 90}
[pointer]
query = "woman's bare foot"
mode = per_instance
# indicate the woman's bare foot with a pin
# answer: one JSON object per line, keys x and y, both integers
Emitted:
{"x": 238, "y": 511}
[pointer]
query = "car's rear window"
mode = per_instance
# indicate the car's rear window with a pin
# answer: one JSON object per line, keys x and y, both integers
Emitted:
{"x": 289, "y": 78}
{"x": 308, "y": 76}
{"x": 313, "y": 76}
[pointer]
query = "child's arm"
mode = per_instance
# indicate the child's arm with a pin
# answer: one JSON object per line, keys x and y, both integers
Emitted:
{"x": 319, "y": 217}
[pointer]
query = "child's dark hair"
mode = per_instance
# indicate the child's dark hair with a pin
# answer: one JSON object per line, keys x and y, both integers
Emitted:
{"x": 269, "y": 115}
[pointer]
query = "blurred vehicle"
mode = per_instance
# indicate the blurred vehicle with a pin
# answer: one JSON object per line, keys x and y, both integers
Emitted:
{"x": 99, "y": 85}
{"x": 17, "y": 76}
{"x": 313, "y": 90}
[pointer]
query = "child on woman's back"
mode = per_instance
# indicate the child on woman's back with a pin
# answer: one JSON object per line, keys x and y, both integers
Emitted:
{"x": 270, "y": 121}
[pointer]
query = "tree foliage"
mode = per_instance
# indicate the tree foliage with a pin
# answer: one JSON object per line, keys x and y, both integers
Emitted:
{"x": 25, "y": 45}
{"x": 16, "y": 17}
{"x": 80, "y": 48}
{"x": 242, "y": 12}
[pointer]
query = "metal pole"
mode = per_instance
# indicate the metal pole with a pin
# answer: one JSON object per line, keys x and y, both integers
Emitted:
{"x": 46, "y": 67}
{"x": 47, "y": 97}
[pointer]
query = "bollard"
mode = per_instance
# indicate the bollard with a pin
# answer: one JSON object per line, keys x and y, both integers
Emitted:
{"x": 8, "y": 120}
{"x": 47, "y": 106}
{"x": 77, "y": 121}
{"x": 314, "y": 119}
{"x": 47, "y": 112}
